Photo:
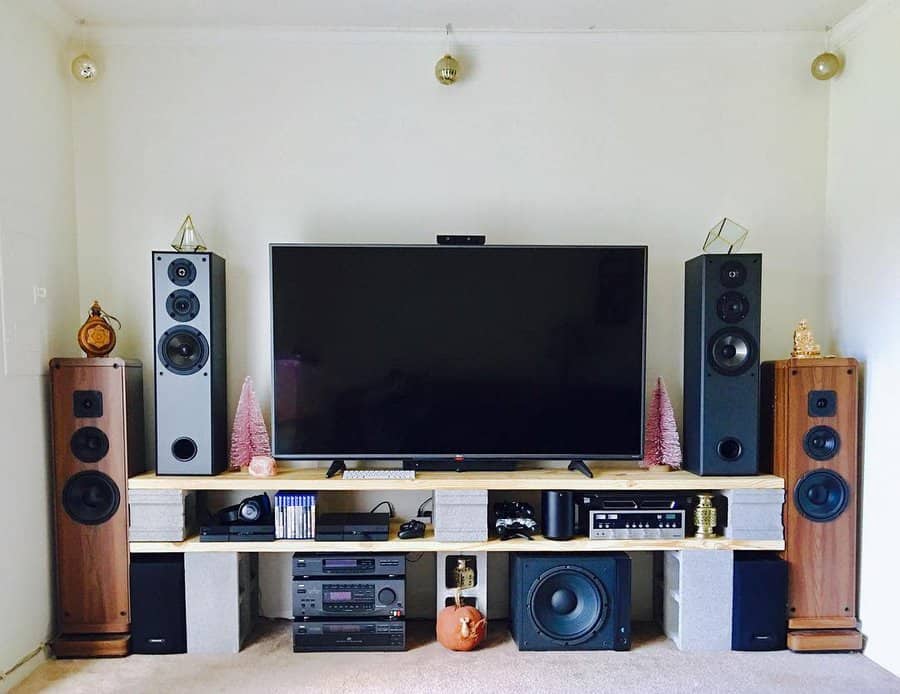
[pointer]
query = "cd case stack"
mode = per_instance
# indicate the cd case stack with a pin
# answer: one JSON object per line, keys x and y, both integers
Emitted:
{"x": 295, "y": 515}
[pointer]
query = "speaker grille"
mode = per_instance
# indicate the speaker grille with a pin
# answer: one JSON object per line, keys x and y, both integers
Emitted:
{"x": 821, "y": 495}
{"x": 568, "y": 604}
{"x": 90, "y": 498}
{"x": 89, "y": 444}
{"x": 183, "y": 350}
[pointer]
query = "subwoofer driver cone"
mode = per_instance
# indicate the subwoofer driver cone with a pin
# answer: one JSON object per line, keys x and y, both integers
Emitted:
{"x": 732, "y": 351}
{"x": 568, "y": 604}
{"x": 183, "y": 350}
{"x": 90, "y": 497}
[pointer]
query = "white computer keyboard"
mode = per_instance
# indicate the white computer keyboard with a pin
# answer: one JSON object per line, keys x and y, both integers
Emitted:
{"x": 379, "y": 474}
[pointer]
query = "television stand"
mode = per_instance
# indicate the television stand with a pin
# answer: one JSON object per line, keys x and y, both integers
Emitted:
{"x": 460, "y": 465}
{"x": 580, "y": 466}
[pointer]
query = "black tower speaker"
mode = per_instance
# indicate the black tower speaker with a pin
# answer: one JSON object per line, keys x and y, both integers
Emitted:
{"x": 158, "y": 621}
{"x": 721, "y": 363}
{"x": 189, "y": 340}
{"x": 759, "y": 614}
{"x": 565, "y": 602}
{"x": 558, "y": 515}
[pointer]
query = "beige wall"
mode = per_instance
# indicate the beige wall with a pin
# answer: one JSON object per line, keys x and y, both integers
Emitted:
{"x": 863, "y": 261}
{"x": 37, "y": 249}
{"x": 271, "y": 136}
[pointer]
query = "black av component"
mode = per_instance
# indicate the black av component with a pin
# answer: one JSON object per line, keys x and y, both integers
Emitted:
{"x": 345, "y": 597}
{"x": 315, "y": 565}
{"x": 349, "y": 635}
{"x": 349, "y": 602}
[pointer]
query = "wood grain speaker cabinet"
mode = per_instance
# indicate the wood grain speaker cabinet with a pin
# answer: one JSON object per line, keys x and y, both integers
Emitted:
{"x": 98, "y": 443}
{"x": 809, "y": 437}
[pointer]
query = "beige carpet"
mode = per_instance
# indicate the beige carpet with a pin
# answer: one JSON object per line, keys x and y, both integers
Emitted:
{"x": 267, "y": 664}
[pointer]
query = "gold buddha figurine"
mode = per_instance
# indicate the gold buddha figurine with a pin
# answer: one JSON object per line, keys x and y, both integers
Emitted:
{"x": 805, "y": 346}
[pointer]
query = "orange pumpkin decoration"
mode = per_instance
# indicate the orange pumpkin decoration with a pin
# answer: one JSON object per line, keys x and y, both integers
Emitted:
{"x": 460, "y": 627}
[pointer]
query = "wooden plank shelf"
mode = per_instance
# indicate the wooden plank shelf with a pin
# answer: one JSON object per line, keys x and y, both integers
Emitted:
{"x": 429, "y": 544}
{"x": 605, "y": 478}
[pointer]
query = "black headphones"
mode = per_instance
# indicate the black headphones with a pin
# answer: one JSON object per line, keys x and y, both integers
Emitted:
{"x": 253, "y": 509}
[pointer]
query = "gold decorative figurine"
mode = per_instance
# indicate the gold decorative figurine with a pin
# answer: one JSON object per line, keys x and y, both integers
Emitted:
{"x": 805, "y": 346}
{"x": 97, "y": 337}
{"x": 705, "y": 517}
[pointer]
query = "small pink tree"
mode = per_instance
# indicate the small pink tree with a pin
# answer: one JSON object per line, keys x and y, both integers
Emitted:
{"x": 661, "y": 445}
{"x": 248, "y": 436}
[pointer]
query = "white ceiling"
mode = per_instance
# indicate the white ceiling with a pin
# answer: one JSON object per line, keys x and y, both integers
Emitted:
{"x": 485, "y": 15}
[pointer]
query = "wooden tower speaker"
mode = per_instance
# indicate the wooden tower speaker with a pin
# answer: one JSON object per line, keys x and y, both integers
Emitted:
{"x": 809, "y": 434}
{"x": 98, "y": 443}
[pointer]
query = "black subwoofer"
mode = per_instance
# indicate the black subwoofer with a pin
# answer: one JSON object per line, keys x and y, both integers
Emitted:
{"x": 570, "y": 601}
{"x": 722, "y": 296}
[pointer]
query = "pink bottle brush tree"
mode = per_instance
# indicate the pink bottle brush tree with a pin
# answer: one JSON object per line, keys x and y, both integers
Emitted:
{"x": 661, "y": 445}
{"x": 248, "y": 436}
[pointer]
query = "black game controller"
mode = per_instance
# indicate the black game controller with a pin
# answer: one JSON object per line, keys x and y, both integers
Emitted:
{"x": 411, "y": 529}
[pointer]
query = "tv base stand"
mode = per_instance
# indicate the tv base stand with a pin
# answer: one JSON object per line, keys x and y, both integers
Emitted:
{"x": 580, "y": 466}
{"x": 335, "y": 467}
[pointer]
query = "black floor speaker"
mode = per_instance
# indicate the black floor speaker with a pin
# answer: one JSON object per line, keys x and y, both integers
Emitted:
{"x": 759, "y": 614}
{"x": 158, "y": 621}
{"x": 722, "y": 296}
{"x": 565, "y": 602}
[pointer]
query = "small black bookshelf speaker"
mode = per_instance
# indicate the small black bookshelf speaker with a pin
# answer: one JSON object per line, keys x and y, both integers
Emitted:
{"x": 558, "y": 515}
{"x": 158, "y": 620}
{"x": 759, "y": 614}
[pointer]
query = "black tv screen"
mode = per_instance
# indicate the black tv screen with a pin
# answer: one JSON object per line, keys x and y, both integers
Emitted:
{"x": 434, "y": 352}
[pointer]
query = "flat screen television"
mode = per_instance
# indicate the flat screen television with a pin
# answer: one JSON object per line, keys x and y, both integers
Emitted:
{"x": 458, "y": 352}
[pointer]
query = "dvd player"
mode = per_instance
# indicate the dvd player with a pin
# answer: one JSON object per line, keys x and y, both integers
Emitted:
{"x": 349, "y": 635}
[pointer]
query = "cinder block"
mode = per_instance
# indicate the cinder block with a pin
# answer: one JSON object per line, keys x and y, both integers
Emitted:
{"x": 460, "y": 515}
{"x": 478, "y": 592}
{"x": 697, "y": 605}
{"x": 219, "y": 599}
{"x": 161, "y": 515}
{"x": 755, "y": 514}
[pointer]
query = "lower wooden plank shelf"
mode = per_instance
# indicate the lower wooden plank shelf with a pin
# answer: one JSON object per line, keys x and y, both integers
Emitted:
{"x": 429, "y": 544}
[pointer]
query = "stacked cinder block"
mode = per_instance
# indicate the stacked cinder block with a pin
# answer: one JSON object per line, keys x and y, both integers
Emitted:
{"x": 446, "y": 588}
{"x": 460, "y": 515}
{"x": 161, "y": 515}
{"x": 754, "y": 514}
{"x": 221, "y": 600}
{"x": 697, "y": 599}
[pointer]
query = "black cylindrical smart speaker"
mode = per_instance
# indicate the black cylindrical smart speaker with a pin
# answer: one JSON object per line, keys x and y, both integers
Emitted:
{"x": 558, "y": 515}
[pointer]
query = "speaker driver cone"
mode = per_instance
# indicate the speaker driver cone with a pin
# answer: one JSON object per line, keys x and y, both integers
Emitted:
{"x": 90, "y": 497}
{"x": 732, "y": 351}
{"x": 89, "y": 444}
{"x": 183, "y": 305}
{"x": 732, "y": 307}
{"x": 183, "y": 350}
{"x": 821, "y": 495}
{"x": 568, "y": 604}
{"x": 821, "y": 443}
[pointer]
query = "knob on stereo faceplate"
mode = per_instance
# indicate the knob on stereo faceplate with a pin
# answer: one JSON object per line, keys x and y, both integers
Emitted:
{"x": 386, "y": 596}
